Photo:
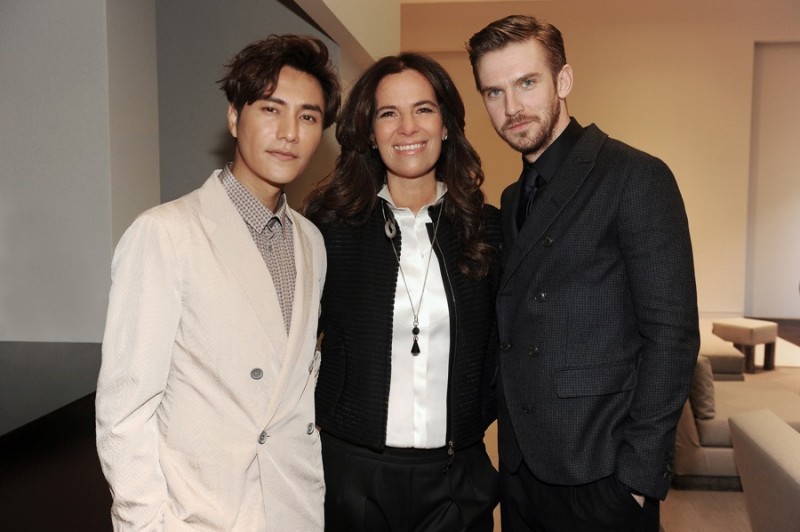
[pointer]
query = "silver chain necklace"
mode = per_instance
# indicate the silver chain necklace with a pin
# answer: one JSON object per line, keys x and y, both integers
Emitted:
{"x": 390, "y": 229}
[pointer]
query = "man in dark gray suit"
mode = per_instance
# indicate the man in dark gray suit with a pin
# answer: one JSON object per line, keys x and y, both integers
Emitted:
{"x": 597, "y": 309}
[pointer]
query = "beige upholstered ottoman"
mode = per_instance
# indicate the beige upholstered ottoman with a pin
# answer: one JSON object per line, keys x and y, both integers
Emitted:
{"x": 746, "y": 333}
{"x": 727, "y": 362}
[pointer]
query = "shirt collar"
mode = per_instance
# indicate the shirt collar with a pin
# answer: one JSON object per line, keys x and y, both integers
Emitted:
{"x": 441, "y": 190}
{"x": 254, "y": 213}
{"x": 548, "y": 162}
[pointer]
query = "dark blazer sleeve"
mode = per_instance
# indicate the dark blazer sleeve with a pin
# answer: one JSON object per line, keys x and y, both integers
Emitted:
{"x": 655, "y": 246}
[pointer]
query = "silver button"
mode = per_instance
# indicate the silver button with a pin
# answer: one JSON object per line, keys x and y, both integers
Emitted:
{"x": 256, "y": 373}
{"x": 262, "y": 437}
{"x": 310, "y": 429}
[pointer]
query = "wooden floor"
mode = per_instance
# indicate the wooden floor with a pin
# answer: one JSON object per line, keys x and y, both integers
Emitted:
{"x": 704, "y": 511}
{"x": 50, "y": 478}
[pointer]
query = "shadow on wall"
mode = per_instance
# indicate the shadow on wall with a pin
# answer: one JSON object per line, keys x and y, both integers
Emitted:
{"x": 37, "y": 378}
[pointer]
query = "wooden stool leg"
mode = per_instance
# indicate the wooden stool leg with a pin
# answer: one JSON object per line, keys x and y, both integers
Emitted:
{"x": 749, "y": 357}
{"x": 769, "y": 355}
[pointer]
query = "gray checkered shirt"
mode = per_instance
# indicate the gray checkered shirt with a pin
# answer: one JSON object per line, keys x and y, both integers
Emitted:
{"x": 272, "y": 233}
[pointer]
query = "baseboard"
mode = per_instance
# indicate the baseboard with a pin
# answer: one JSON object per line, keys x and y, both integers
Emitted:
{"x": 706, "y": 483}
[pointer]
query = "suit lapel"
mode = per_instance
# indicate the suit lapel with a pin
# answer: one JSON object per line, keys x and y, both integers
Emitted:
{"x": 301, "y": 318}
{"x": 229, "y": 234}
{"x": 566, "y": 183}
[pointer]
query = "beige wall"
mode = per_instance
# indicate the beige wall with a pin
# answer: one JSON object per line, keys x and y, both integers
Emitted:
{"x": 365, "y": 31}
{"x": 672, "y": 78}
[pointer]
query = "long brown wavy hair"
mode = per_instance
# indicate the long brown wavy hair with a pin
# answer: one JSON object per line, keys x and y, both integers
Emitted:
{"x": 350, "y": 192}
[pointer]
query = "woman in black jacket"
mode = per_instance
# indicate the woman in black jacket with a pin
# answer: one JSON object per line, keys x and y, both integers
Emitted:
{"x": 406, "y": 385}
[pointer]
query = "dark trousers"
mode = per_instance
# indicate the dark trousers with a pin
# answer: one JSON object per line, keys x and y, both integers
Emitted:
{"x": 530, "y": 505}
{"x": 407, "y": 490}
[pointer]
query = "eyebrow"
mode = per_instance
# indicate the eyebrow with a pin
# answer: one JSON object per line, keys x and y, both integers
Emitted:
{"x": 531, "y": 75}
{"x": 305, "y": 106}
{"x": 416, "y": 104}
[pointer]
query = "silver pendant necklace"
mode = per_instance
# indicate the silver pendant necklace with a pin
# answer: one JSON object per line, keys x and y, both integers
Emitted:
{"x": 390, "y": 228}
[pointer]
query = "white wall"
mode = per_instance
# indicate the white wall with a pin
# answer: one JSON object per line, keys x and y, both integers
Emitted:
{"x": 55, "y": 232}
{"x": 79, "y": 152}
{"x": 773, "y": 273}
{"x": 133, "y": 110}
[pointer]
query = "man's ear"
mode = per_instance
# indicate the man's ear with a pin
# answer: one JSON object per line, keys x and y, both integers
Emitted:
{"x": 233, "y": 119}
{"x": 564, "y": 82}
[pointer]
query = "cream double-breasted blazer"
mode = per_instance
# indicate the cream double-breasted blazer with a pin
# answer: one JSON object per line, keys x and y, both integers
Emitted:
{"x": 205, "y": 408}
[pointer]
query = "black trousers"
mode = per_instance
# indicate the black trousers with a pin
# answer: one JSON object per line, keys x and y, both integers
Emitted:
{"x": 530, "y": 505}
{"x": 407, "y": 490}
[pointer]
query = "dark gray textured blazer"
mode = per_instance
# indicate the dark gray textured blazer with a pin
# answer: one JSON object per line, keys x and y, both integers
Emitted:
{"x": 597, "y": 317}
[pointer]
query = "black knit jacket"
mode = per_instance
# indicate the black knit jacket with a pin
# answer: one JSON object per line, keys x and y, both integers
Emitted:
{"x": 352, "y": 394}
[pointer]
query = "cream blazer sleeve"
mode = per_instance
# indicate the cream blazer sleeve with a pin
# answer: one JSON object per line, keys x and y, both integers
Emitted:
{"x": 137, "y": 347}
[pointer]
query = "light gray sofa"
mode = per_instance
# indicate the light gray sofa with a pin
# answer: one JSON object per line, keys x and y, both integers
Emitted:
{"x": 704, "y": 456}
{"x": 767, "y": 454}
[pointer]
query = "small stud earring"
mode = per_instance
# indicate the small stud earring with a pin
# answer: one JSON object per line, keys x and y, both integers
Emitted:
{"x": 444, "y": 137}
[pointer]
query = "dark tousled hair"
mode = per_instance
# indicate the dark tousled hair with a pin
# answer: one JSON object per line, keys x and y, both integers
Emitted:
{"x": 253, "y": 72}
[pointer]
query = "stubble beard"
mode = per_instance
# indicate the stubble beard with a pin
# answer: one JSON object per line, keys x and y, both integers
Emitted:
{"x": 535, "y": 139}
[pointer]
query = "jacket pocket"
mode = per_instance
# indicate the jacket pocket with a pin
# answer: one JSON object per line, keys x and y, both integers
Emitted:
{"x": 596, "y": 380}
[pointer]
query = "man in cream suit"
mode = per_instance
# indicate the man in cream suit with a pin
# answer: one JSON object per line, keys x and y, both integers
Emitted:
{"x": 205, "y": 401}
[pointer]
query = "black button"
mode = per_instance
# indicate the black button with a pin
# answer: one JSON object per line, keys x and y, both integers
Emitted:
{"x": 533, "y": 351}
{"x": 540, "y": 296}
{"x": 547, "y": 241}
{"x": 505, "y": 346}
{"x": 256, "y": 373}
{"x": 262, "y": 437}
{"x": 526, "y": 409}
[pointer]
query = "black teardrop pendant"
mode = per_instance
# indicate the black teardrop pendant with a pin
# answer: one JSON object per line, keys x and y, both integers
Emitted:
{"x": 415, "y": 347}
